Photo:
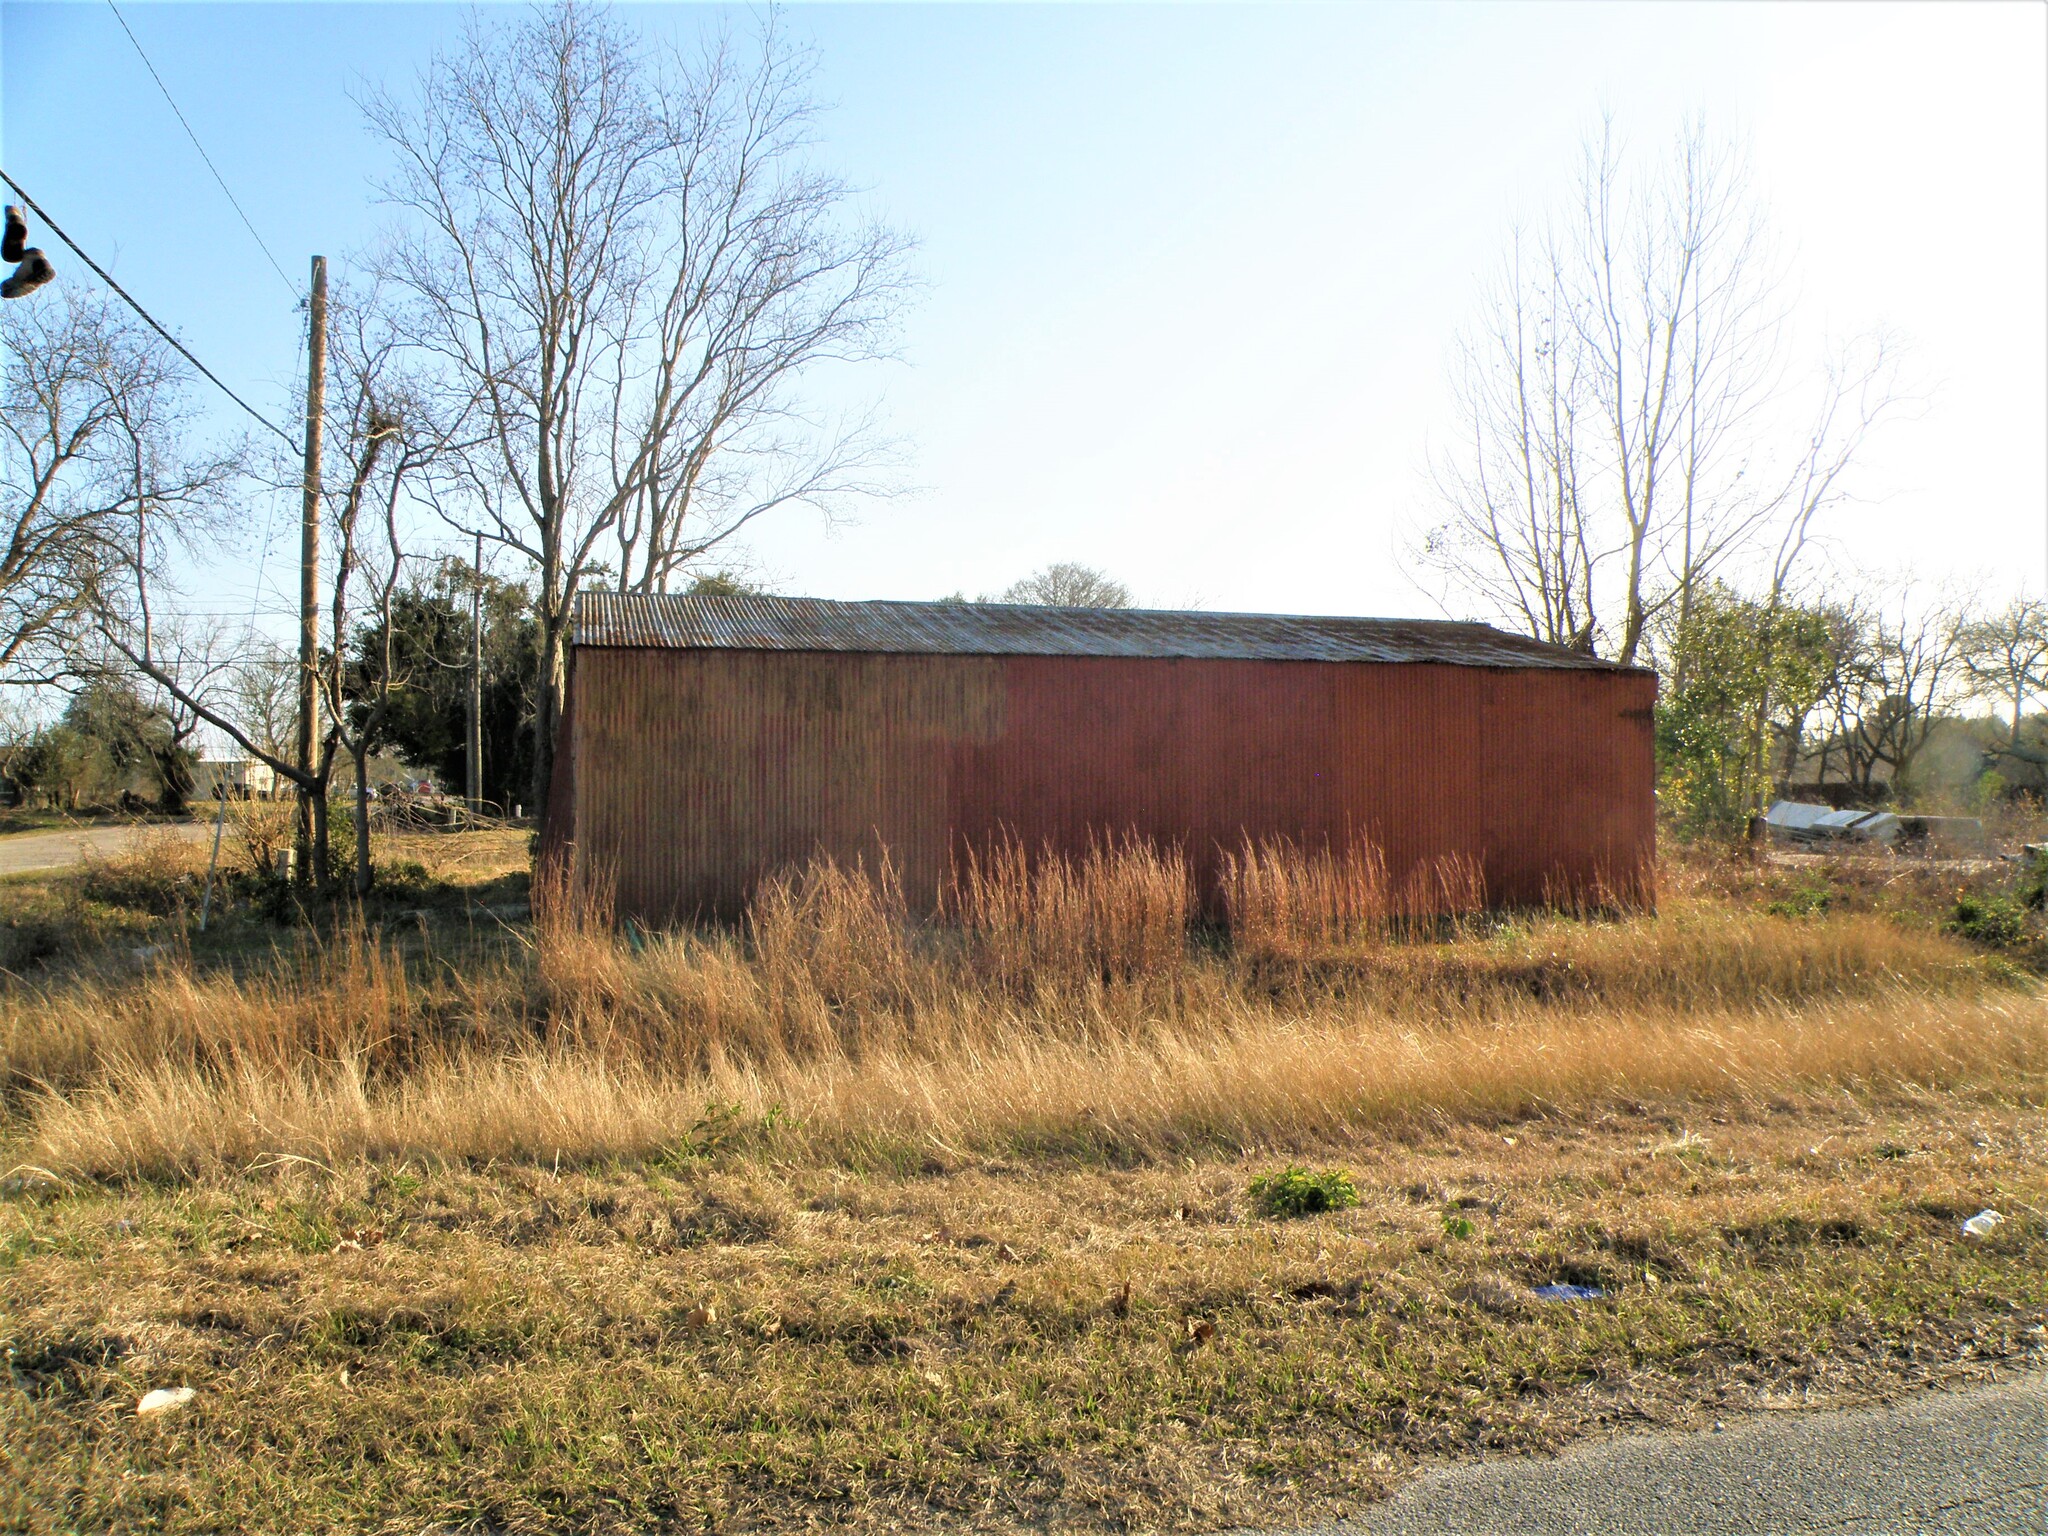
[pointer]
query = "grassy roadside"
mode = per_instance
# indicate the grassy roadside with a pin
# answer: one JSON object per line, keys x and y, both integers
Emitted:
{"x": 458, "y": 1224}
{"x": 18, "y": 818}
{"x": 742, "y": 1341}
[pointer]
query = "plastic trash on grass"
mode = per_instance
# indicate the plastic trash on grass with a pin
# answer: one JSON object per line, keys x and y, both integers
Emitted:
{"x": 1569, "y": 1293}
{"x": 163, "y": 1399}
{"x": 1980, "y": 1225}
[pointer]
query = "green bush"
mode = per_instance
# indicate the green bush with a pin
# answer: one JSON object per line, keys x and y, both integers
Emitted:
{"x": 1303, "y": 1192}
{"x": 263, "y": 895}
{"x": 26, "y": 942}
{"x": 1811, "y": 899}
{"x": 1996, "y": 921}
{"x": 406, "y": 878}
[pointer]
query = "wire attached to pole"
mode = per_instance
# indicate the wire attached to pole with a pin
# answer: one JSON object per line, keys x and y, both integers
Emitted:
{"x": 220, "y": 180}
{"x": 152, "y": 320}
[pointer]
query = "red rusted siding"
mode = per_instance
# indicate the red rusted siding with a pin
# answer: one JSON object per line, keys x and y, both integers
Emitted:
{"x": 690, "y": 773}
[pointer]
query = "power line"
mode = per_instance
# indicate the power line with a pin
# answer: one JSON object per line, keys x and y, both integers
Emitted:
{"x": 222, "y": 181}
{"x": 154, "y": 323}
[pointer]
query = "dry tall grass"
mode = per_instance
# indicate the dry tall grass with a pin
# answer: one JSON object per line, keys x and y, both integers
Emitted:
{"x": 1260, "y": 1079}
{"x": 1282, "y": 900}
{"x": 1119, "y": 912}
{"x": 159, "y": 871}
{"x": 1054, "y": 1003}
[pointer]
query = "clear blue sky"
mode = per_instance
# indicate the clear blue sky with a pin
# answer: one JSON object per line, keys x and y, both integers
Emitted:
{"x": 1193, "y": 270}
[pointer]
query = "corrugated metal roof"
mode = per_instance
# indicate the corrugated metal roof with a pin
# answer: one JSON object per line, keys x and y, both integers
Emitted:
{"x": 669, "y": 620}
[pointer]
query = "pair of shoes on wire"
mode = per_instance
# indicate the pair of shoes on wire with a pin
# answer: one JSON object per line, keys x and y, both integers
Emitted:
{"x": 34, "y": 269}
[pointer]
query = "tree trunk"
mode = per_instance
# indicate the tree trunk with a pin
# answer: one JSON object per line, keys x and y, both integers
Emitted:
{"x": 1795, "y": 738}
{"x": 363, "y": 870}
{"x": 319, "y": 872}
{"x": 554, "y": 669}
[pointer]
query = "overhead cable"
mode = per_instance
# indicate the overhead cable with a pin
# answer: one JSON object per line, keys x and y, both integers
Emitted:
{"x": 154, "y": 323}
{"x": 221, "y": 180}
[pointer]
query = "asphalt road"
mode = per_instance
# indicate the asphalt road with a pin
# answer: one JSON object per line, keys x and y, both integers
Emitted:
{"x": 1968, "y": 1461}
{"x": 21, "y": 852}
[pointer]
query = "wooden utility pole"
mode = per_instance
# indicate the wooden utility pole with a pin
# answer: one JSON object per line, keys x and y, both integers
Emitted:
{"x": 475, "y": 775}
{"x": 309, "y": 567}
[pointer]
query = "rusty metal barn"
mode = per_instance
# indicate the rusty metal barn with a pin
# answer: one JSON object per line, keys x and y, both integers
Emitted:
{"x": 709, "y": 741}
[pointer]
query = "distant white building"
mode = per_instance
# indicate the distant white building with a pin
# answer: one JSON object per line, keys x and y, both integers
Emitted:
{"x": 242, "y": 778}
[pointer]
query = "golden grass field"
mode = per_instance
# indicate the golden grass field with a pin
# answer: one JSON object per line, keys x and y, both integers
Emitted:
{"x": 455, "y": 1217}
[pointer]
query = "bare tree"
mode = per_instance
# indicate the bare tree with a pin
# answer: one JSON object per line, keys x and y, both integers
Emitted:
{"x": 90, "y": 423}
{"x": 1517, "y": 538}
{"x": 390, "y": 442}
{"x": 199, "y": 651}
{"x": 1817, "y": 721}
{"x": 138, "y": 619}
{"x": 629, "y": 265}
{"x": 262, "y": 694}
{"x": 1898, "y": 671}
{"x": 385, "y": 438}
{"x": 20, "y": 728}
{"x": 154, "y": 489}
{"x": 1621, "y": 405}
{"x": 2006, "y": 657}
{"x": 1066, "y": 585}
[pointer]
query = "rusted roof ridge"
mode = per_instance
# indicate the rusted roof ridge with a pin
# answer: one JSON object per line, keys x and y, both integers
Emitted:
{"x": 673, "y": 621}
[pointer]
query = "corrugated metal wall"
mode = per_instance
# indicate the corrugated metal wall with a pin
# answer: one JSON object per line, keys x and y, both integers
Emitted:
{"x": 691, "y": 773}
